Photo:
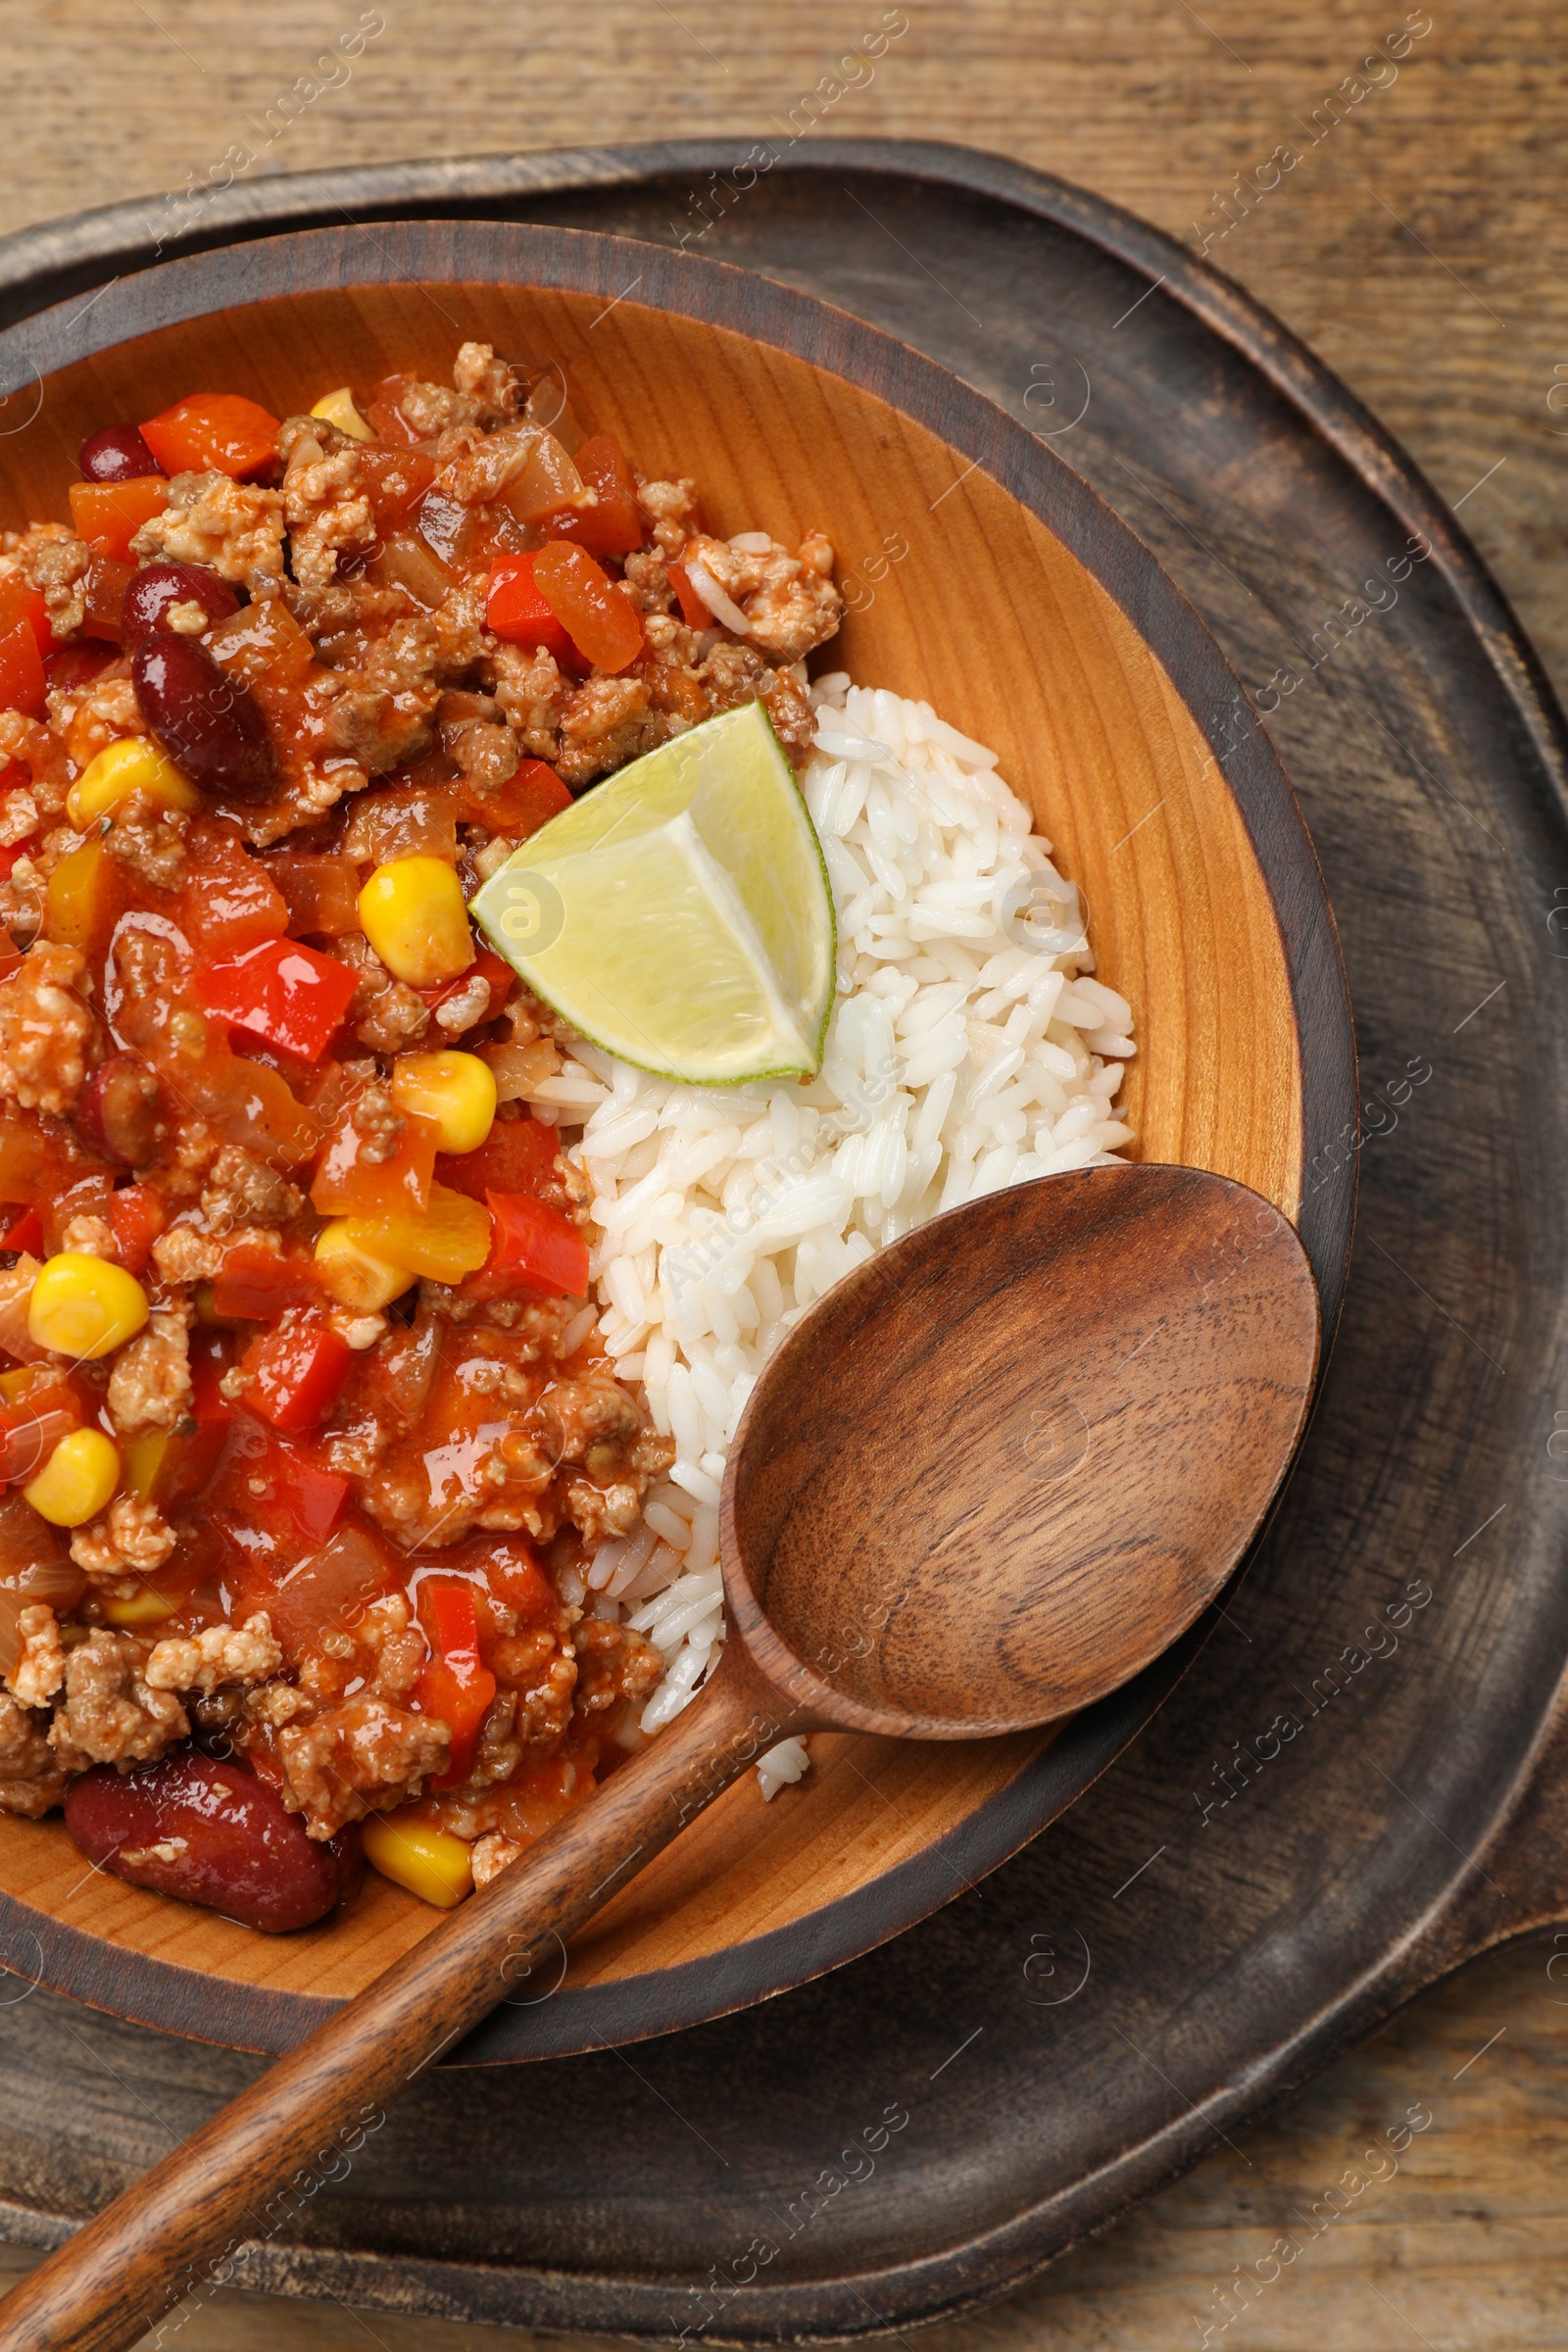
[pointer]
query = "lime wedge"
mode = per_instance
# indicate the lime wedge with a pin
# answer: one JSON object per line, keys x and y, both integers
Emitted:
{"x": 679, "y": 914}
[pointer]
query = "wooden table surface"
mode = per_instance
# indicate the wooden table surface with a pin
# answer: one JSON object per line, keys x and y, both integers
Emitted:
{"x": 1422, "y": 248}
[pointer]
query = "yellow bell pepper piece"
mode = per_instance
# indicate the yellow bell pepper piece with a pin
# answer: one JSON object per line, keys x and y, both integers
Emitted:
{"x": 456, "y": 1092}
{"x": 78, "y": 896}
{"x": 134, "y": 764}
{"x": 76, "y": 1481}
{"x": 145, "y": 1456}
{"x": 429, "y": 1862}
{"x": 450, "y": 1238}
{"x": 85, "y": 1306}
{"x": 413, "y": 913}
{"x": 338, "y": 409}
{"x": 354, "y": 1278}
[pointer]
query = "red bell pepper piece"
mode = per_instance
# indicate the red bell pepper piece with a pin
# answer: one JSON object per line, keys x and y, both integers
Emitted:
{"x": 136, "y": 1218}
{"x": 693, "y": 612}
{"x": 515, "y": 609}
{"x": 207, "y": 430}
{"x": 256, "y": 1286}
{"x": 515, "y": 1157}
{"x": 282, "y": 992}
{"x": 21, "y": 601}
{"x": 292, "y": 1482}
{"x": 535, "y": 1248}
{"x": 455, "y": 1686}
{"x": 529, "y": 797}
{"x": 297, "y": 1372}
{"x": 25, "y": 1234}
{"x": 493, "y": 969}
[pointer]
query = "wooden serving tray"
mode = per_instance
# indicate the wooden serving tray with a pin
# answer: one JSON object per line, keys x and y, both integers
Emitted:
{"x": 1354, "y": 1787}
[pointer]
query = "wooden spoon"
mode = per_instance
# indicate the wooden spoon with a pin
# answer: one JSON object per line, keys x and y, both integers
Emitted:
{"x": 989, "y": 1476}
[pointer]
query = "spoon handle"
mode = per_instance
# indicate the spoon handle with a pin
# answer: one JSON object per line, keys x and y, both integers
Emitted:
{"x": 224, "y": 2185}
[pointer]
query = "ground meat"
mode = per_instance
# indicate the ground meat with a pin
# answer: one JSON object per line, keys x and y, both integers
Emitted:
{"x": 56, "y": 562}
{"x": 670, "y": 509}
{"x": 105, "y": 714}
{"x": 789, "y": 602}
{"x": 19, "y": 816}
{"x": 150, "y": 839}
{"x": 41, "y": 1666}
{"x": 614, "y": 1663}
{"x": 492, "y": 1852}
{"x": 51, "y": 770}
{"x": 182, "y": 1254}
{"x": 378, "y": 1123}
{"x": 488, "y": 382}
{"x": 275, "y": 1703}
{"x": 386, "y": 1013}
{"x": 544, "y": 1712}
{"x": 219, "y": 1653}
{"x": 46, "y": 1031}
{"x": 32, "y": 1779}
{"x": 90, "y": 1237}
{"x": 149, "y": 1386}
{"x": 647, "y": 569}
{"x": 397, "y": 1646}
{"x": 382, "y": 714}
{"x": 604, "y": 723}
{"x": 131, "y": 1537}
{"x": 109, "y": 1714}
{"x": 241, "y": 1189}
{"x": 234, "y": 528}
{"x": 485, "y": 752}
{"x": 324, "y": 504}
{"x": 361, "y": 1753}
{"x": 468, "y": 1004}
{"x": 499, "y": 1750}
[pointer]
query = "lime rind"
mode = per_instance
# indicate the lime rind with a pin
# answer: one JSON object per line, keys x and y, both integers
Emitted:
{"x": 679, "y": 916}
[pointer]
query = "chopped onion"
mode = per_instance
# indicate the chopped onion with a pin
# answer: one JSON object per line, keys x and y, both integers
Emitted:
{"x": 724, "y": 608}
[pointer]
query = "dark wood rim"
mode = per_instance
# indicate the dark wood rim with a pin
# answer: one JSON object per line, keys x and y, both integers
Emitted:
{"x": 185, "y": 2001}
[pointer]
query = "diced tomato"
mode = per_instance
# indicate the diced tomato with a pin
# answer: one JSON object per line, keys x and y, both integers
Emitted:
{"x": 209, "y": 1362}
{"x": 516, "y": 610}
{"x": 21, "y": 680}
{"x": 136, "y": 1218}
{"x": 515, "y": 1157}
{"x": 107, "y": 584}
{"x": 210, "y": 430}
{"x": 109, "y": 514}
{"x": 322, "y": 893}
{"x": 39, "y": 1160}
{"x": 528, "y": 798}
{"x": 287, "y": 995}
{"x": 255, "y": 1286}
{"x": 395, "y": 479}
{"x": 14, "y": 848}
{"x": 455, "y": 1686}
{"x": 511, "y": 1571}
{"x": 600, "y": 618}
{"x": 296, "y": 1373}
{"x": 493, "y": 969}
{"x": 231, "y": 902}
{"x": 349, "y": 1183}
{"x": 615, "y": 526}
{"x": 534, "y": 1247}
{"x": 693, "y": 612}
{"x": 25, "y": 1234}
{"x": 383, "y": 415}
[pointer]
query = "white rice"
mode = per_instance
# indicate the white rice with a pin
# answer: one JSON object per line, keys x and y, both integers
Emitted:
{"x": 968, "y": 1049}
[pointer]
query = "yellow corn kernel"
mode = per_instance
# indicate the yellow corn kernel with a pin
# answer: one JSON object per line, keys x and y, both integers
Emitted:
{"x": 429, "y": 1862}
{"x": 354, "y": 1276}
{"x": 455, "y": 1091}
{"x": 85, "y": 1306}
{"x": 446, "y": 1241}
{"x": 412, "y": 914}
{"x": 145, "y": 1456}
{"x": 338, "y": 409}
{"x": 134, "y": 764}
{"x": 76, "y": 1481}
{"x": 145, "y": 1607}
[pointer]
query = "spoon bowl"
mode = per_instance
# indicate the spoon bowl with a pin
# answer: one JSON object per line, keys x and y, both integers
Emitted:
{"x": 983, "y": 1481}
{"x": 1008, "y": 1460}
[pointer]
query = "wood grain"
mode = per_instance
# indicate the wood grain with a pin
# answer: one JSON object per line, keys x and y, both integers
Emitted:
{"x": 1144, "y": 101}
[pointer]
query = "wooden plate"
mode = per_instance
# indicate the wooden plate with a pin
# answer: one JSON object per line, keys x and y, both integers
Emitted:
{"x": 1009, "y": 595}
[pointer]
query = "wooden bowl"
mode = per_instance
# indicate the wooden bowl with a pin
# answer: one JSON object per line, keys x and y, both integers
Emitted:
{"x": 989, "y": 580}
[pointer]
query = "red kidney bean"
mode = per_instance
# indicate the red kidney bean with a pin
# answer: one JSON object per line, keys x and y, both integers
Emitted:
{"x": 230, "y": 1843}
{"x": 117, "y": 454}
{"x": 152, "y": 590}
{"x": 208, "y": 724}
{"x": 76, "y": 666}
{"x": 117, "y": 1111}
